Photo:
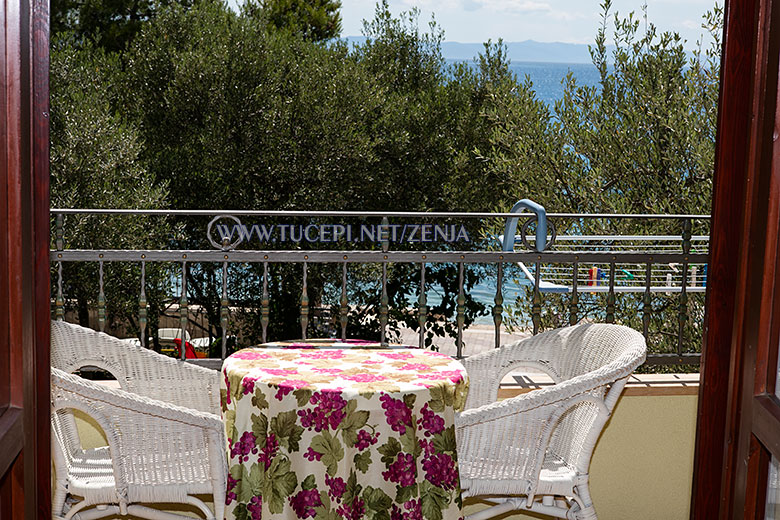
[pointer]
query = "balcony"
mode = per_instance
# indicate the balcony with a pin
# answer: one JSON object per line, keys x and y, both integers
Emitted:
{"x": 653, "y": 282}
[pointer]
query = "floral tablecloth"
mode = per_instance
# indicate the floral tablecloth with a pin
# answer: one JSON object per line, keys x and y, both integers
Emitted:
{"x": 330, "y": 343}
{"x": 342, "y": 434}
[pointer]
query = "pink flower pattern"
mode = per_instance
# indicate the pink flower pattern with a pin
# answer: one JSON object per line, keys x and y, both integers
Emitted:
{"x": 280, "y": 371}
{"x": 364, "y": 378}
{"x": 323, "y": 354}
{"x": 416, "y": 367}
{"x": 250, "y": 354}
{"x": 397, "y": 355}
{"x": 327, "y": 370}
{"x": 453, "y": 375}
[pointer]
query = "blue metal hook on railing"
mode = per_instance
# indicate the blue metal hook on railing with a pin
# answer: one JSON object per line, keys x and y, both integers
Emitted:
{"x": 541, "y": 225}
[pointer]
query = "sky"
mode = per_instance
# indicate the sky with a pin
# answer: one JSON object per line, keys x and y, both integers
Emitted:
{"x": 570, "y": 21}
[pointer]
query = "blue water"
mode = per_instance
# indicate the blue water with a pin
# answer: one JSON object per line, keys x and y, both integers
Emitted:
{"x": 485, "y": 293}
{"x": 547, "y": 77}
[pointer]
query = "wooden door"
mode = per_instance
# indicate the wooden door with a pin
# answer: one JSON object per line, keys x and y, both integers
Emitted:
{"x": 738, "y": 429}
{"x": 25, "y": 459}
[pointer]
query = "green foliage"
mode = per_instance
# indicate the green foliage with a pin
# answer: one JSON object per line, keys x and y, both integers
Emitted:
{"x": 259, "y": 118}
{"x": 315, "y": 20}
{"x": 95, "y": 163}
{"x": 109, "y": 23}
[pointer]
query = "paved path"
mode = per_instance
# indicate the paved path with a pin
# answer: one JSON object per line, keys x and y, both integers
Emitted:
{"x": 476, "y": 339}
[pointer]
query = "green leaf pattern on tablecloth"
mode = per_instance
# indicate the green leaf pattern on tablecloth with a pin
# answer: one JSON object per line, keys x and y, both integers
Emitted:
{"x": 362, "y": 461}
{"x": 287, "y": 432}
{"x": 444, "y": 442}
{"x": 389, "y": 450}
{"x": 332, "y": 436}
{"x": 330, "y": 450}
{"x": 259, "y": 401}
{"x": 259, "y": 428}
{"x": 279, "y": 483}
{"x": 434, "y": 501}
{"x": 352, "y": 422}
{"x": 302, "y": 395}
{"x": 442, "y": 396}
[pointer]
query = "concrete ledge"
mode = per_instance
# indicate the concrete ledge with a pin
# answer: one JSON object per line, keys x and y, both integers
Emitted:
{"x": 639, "y": 384}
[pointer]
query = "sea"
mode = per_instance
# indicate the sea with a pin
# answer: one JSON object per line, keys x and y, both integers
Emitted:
{"x": 547, "y": 78}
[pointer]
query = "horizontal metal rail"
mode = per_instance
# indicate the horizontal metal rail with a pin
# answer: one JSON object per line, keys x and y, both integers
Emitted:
{"x": 629, "y": 238}
{"x": 422, "y": 214}
{"x": 297, "y": 255}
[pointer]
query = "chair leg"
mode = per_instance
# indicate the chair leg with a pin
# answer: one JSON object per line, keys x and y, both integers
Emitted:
{"x": 58, "y": 499}
{"x": 219, "y": 500}
{"x": 586, "y": 510}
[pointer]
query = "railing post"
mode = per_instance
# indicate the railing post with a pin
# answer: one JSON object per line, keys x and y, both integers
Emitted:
{"x": 304, "y": 303}
{"x": 498, "y": 308}
{"x": 59, "y": 302}
{"x": 611, "y": 293}
{"x": 647, "y": 300}
{"x": 142, "y": 303}
{"x": 460, "y": 312}
{"x": 383, "y": 301}
{"x": 536, "y": 308}
{"x": 183, "y": 310}
{"x": 422, "y": 307}
{"x": 101, "y": 300}
{"x": 265, "y": 307}
{"x": 223, "y": 310}
{"x": 574, "y": 303}
{"x": 344, "y": 303}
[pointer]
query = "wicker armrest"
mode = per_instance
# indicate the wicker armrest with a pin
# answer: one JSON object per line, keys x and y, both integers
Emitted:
{"x": 176, "y": 437}
{"x": 553, "y": 395}
{"x": 507, "y": 440}
{"x": 487, "y": 369}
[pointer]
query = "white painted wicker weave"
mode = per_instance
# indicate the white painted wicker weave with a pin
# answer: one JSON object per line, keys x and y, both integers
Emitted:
{"x": 166, "y": 441}
{"x": 533, "y": 451}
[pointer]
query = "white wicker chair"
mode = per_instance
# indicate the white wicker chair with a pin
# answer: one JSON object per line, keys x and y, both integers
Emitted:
{"x": 533, "y": 451}
{"x": 166, "y": 441}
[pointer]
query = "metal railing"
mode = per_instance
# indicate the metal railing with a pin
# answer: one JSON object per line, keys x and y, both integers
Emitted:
{"x": 571, "y": 258}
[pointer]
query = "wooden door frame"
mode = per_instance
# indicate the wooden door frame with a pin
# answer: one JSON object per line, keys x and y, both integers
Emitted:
{"x": 734, "y": 116}
{"x": 731, "y": 463}
{"x": 25, "y": 460}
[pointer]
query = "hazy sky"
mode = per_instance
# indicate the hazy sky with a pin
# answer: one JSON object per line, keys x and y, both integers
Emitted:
{"x": 573, "y": 21}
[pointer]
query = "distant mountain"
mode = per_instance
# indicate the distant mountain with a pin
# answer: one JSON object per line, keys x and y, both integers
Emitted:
{"x": 529, "y": 50}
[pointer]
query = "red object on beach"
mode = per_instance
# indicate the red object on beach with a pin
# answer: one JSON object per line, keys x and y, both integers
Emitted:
{"x": 189, "y": 351}
{"x": 593, "y": 278}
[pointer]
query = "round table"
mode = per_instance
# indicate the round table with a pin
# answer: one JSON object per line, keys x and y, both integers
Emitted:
{"x": 342, "y": 433}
